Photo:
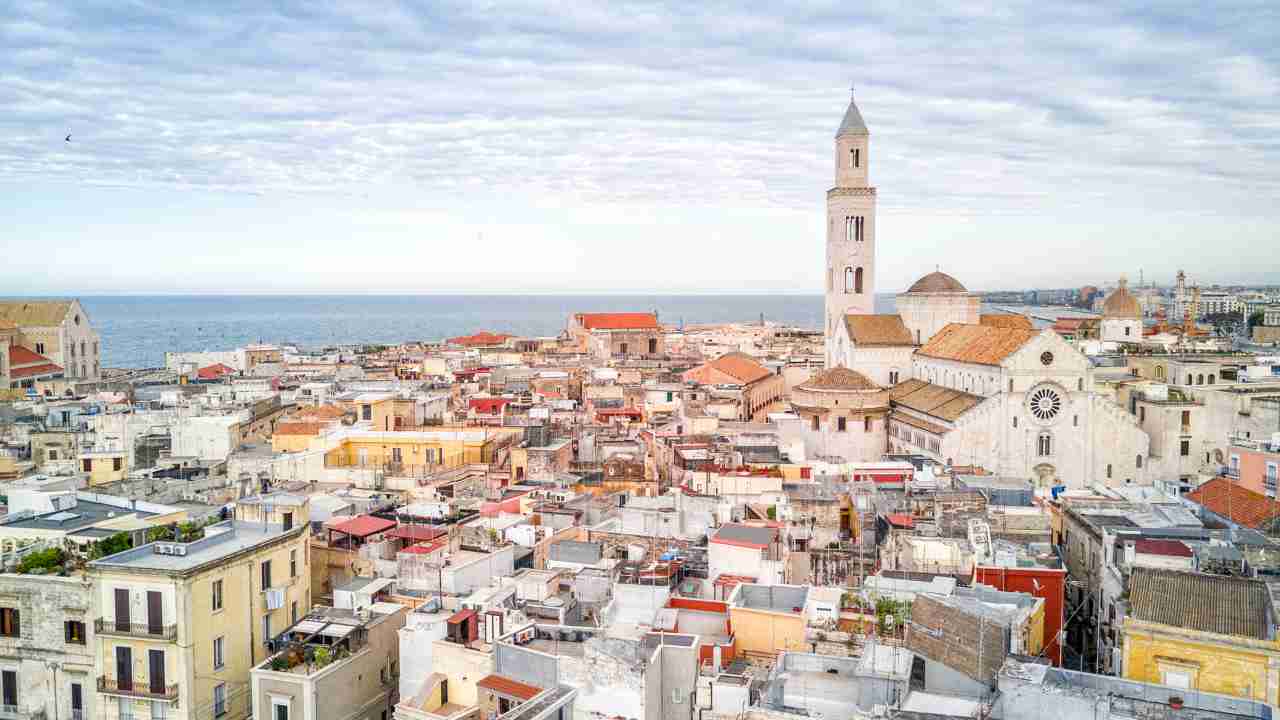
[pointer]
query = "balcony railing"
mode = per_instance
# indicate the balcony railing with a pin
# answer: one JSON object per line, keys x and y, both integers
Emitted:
{"x": 139, "y": 688}
{"x": 15, "y": 712}
{"x": 109, "y": 626}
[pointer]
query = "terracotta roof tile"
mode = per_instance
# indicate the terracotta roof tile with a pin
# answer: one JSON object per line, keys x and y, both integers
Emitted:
{"x": 488, "y": 405}
{"x": 299, "y": 428}
{"x": 1241, "y": 505}
{"x": 481, "y": 339}
{"x": 508, "y": 687}
{"x": 1006, "y": 320}
{"x": 737, "y": 366}
{"x": 936, "y": 282}
{"x": 838, "y": 378}
{"x": 321, "y": 412}
{"x": 362, "y": 525}
{"x": 1156, "y": 546}
{"x": 19, "y": 355}
{"x": 979, "y": 344}
{"x": 1206, "y": 603}
{"x": 35, "y": 313}
{"x": 35, "y": 370}
{"x": 934, "y": 400}
{"x": 618, "y": 321}
{"x": 877, "y": 330}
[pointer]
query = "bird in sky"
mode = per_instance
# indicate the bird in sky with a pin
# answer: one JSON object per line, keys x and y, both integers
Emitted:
{"x": 68, "y": 137}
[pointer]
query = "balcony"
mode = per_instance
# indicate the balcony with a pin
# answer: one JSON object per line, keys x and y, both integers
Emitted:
{"x": 138, "y": 688}
{"x": 109, "y": 626}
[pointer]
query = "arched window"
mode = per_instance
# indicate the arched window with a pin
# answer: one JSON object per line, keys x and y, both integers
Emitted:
{"x": 1200, "y": 379}
{"x": 1160, "y": 372}
{"x": 1044, "y": 444}
{"x": 1139, "y": 463}
{"x": 1189, "y": 379}
{"x": 848, "y": 280}
{"x": 857, "y": 282}
{"x": 1108, "y": 471}
{"x": 1210, "y": 378}
{"x": 1080, "y": 384}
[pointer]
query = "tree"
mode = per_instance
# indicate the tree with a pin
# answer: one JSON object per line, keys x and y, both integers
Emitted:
{"x": 1255, "y": 320}
{"x": 110, "y": 546}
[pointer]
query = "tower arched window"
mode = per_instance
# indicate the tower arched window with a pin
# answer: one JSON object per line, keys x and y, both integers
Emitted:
{"x": 1044, "y": 444}
{"x": 848, "y": 280}
{"x": 1108, "y": 472}
{"x": 1139, "y": 462}
{"x": 857, "y": 281}
{"x": 1210, "y": 378}
{"x": 1200, "y": 379}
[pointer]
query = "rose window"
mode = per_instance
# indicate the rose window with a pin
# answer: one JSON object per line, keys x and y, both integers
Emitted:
{"x": 1045, "y": 403}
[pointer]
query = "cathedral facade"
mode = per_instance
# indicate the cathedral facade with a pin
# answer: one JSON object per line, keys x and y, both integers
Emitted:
{"x": 963, "y": 388}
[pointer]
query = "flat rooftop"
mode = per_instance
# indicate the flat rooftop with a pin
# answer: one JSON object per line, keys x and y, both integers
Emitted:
{"x": 84, "y": 514}
{"x": 220, "y": 542}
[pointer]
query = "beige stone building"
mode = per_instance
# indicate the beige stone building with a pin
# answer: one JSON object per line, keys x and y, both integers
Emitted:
{"x": 843, "y": 414}
{"x": 58, "y": 330}
{"x": 616, "y": 335}
{"x": 851, "y": 229}
{"x": 759, "y": 390}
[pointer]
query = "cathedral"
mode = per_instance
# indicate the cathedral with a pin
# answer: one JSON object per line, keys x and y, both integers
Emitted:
{"x": 962, "y": 388}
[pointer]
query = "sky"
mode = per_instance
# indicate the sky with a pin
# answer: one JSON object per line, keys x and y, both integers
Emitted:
{"x": 529, "y": 147}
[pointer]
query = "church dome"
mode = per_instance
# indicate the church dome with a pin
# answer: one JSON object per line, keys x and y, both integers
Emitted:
{"x": 937, "y": 282}
{"x": 1121, "y": 304}
{"x": 838, "y": 378}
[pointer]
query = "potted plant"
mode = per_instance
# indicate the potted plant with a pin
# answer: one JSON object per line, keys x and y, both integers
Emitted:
{"x": 1175, "y": 702}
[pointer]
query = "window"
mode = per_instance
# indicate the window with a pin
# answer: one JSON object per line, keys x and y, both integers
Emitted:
{"x": 815, "y": 423}
{"x": 219, "y": 644}
{"x": 893, "y": 377}
{"x": 266, "y": 628}
{"x": 117, "y": 464}
{"x": 9, "y": 623}
{"x": 293, "y": 611}
{"x": 219, "y": 700}
{"x": 1186, "y": 420}
{"x": 86, "y": 465}
{"x": 266, "y": 574}
{"x": 653, "y": 346}
{"x": 848, "y": 280}
{"x": 52, "y": 453}
{"x": 1189, "y": 379}
{"x": 1080, "y": 384}
{"x": 279, "y": 708}
{"x": 1184, "y": 448}
{"x": 1015, "y": 421}
{"x": 293, "y": 563}
{"x": 77, "y": 701}
{"x": 1271, "y": 477}
{"x": 73, "y": 632}
{"x": 854, "y": 156}
{"x": 158, "y": 709}
{"x": 39, "y": 348}
{"x": 1108, "y": 471}
{"x": 73, "y": 349}
{"x": 1142, "y": 414}
{"x": 1138, "y": 462}
{"x": 82, "y": 353}
{"x": 1126, "y": 330}
{"x": 366, "y": 412}
{"x": 857, "y": 282}
{"x": 1075, "y": 421}
{"x": 396, "y": 456}
{"x": 217, "y": 595}
{"x": 288, "y": 521}
{"x": 1044, "y": 444}
{"x": 1010, "y": 379}
{"x": 840, "y": 424}
{"x": 866, "y": 424}
{"x": 1210, "y": 378}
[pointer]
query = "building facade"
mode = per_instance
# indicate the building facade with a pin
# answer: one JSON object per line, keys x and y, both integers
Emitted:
{"x": 851, "y": 229}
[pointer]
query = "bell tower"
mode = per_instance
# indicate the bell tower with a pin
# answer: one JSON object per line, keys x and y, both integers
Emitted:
{"x": 851, "y": 230}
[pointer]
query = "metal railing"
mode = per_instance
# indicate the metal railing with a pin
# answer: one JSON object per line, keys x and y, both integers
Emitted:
{"x": 137, "y": 687}
{"x": 109, "y": 626}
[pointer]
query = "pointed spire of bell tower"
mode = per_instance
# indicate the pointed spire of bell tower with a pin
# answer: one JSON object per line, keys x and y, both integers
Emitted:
{"x": 852, "y": 124}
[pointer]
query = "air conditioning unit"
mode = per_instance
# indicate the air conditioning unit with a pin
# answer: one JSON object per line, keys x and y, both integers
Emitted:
{"x": 180, "y": 550}
{"x": 164, "y": 549}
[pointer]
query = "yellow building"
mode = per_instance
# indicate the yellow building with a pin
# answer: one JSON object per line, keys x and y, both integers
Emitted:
{"x": 769, "y": 619}
{"x": 183, "y": 623}
{"x": 1201, "y": 632}
{"x": 420, "y": 451}
{"x": 104, "y": 466}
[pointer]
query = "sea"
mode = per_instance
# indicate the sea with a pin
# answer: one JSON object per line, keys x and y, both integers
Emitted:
{"x": 137, "y": 330}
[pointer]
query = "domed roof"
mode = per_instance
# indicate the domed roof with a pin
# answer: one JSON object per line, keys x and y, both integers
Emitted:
{"x": 838, "y": 378}
{"x": 1121, "y": 304}
{"x": 937, "y": 282}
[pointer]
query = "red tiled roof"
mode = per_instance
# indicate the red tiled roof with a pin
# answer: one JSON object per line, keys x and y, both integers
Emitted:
{"x": 979, "y": 344}
{"x": 737, "y": 366}
{"x": 19, "y": 355}
{"x": 480, "y": 339}
{"x": 1006, "y": 320}
{"x": 1223, "y": 497}
{"x": 299, "y": 428}
{"x": 618, "y": 321}
{"x": 1153, "y": 546}
{"x": 35, "y": 371}
{"x": 901, "y": 520}
{"x": 363, "y": 525}
{"x": 426, "y": 548}
{"x": 329, "y": 412}
{"x": 506, "y": 686}
{"x": 488, "y": 406}
{"x": 214, "y": 371}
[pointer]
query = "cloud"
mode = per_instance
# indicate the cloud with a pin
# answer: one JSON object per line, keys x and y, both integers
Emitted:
{"x": 1105, "y": 112}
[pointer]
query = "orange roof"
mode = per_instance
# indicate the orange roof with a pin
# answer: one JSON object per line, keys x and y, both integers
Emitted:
{"x": 871, "y": 330}
{"x": 506, "y": 686}
{"x": 979, "y": 344}
{"x": 838, "y": 378}
{"x": 323, "y": 412}
{"x": 618, "y": 321}
{"x": 1006, "y": 320}
{"x": 35, "y": 370}
{"x": 19, "y": 355}
{"x": 214, "y": 371}
{"x": 480, "y": 339}
{"x": 299, "y": 428}
{"x": 734, "y": 366}
{"x": 1239, "y": 504}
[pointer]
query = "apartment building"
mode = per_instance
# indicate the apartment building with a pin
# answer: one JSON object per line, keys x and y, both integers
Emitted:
{"x": 183, "y": 623}
{"x": 46, "y": 647}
